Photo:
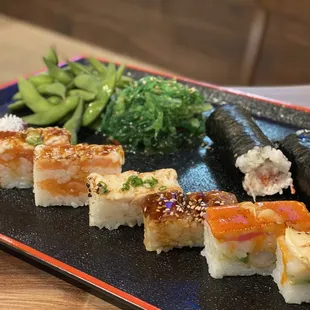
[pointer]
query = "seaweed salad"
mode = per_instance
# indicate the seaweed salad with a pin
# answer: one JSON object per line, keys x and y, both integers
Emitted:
{"x": 155, "y": 114}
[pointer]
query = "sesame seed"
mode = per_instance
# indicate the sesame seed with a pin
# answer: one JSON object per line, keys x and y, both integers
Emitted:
{"x": 145, "y": 209}
{"x": 193, "y": 207}
{"x": 200, "y": 200}
{"x": 157, "y": 210}
{"x": 172, "y": 213}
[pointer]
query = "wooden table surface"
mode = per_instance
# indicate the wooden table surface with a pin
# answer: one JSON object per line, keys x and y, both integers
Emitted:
{"x": 23, "y": 286}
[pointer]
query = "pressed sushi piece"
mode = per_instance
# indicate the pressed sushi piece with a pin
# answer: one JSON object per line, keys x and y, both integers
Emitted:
{"x": 60, "y": 172}
{"x": 16, "y": 153}
{"x": 175, "y": 220}
{"x": 114, "y": 199}
{"x": 266, "y": 170}
{"x": 297, "y": 148}
{"x": 292, "y": 272}
{"x": 241, "y": 239}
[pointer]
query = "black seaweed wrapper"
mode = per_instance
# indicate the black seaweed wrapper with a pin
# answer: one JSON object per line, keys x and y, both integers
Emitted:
{"x": 233, "y": 128}
{"x": 297, "y": 149}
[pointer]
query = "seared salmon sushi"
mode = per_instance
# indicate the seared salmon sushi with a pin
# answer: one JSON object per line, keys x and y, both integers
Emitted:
{"x": 175, "y": 220}
{"x": 241, "y": 239}
{"x": 16, "y": 153}
{"x": 60, "y": 172}
{"x": 114, "y": 199}
{"x": 292, "y": 272}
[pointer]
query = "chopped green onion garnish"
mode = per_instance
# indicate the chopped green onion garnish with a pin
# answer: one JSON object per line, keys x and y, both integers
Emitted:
{"x": 163, "y": 188}
{"x": 150, "y": 183}
{"x": 135, "y": 181}
{"x": 245, "y": 259}
{"x": 102, "y": 188}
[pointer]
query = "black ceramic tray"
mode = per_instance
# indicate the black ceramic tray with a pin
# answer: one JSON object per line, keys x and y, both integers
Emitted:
{"x": 115, "y": 263}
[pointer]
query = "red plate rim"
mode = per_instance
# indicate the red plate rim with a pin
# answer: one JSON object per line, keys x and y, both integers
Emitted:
{"x": 82, "y": 275}
{"x": 76, "y": 273}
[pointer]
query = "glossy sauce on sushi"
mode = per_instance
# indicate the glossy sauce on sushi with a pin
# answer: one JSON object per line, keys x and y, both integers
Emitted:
{"x": 176, "y": 204}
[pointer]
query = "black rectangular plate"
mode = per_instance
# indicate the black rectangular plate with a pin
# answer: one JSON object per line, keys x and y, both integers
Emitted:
{"x": 116, "y": 262}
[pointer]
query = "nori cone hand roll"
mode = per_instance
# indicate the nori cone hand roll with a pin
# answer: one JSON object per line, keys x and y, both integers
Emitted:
{"x": 297, "y": 148}
{"x": 266, "y": 170}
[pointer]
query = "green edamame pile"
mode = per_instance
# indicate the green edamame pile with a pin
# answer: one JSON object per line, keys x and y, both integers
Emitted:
{"x": 71, "y": 96}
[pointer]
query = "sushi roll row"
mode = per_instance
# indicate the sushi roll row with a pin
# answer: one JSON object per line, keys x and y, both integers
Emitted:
{"x": 239, "y": 239}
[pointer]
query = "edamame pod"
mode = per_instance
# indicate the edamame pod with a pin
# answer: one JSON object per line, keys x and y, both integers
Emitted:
{"x": 97, "y": 65}
{"x": 74, "y": 123}
{"x": 56, "y": 89}
{"x": 78, "y": 68}
{"x": 57, "y": 73}
{"x": 88, "y": 82}
{"x": 32, "y": 98}
{"x": 64, "y": 119}
{"x": 54, "y": 114}
{"x": 52, "y": 56}
{"x": 85, "y": 95}
{"x": 17, "y": 105}
{"x": 109, "y": 83}
{"x": 38, "y": 80}
{"x": 17, "y": 96}
{"x": 94, "y": 109}
{"x": 54, "y": 100}
{"x": 119, "y": 73}
{"x": 125, "y": 81}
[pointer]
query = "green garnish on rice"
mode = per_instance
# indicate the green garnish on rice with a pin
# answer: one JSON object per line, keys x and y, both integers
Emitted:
{"x": 102, "y": 188}
{"x": 150, "y": 183}
{"x": 135, "y": 181}
{"x": 155, "y": 114}
{"x": 245, "y": 259}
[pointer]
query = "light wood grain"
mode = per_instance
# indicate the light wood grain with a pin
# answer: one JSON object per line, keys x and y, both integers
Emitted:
{"x": 23, "y": 45}
{"x": 200, "y": 39}
{"x": 23, "y": 286}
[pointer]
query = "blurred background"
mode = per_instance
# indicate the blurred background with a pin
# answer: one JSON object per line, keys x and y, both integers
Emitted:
{"x": 228, "y": 42}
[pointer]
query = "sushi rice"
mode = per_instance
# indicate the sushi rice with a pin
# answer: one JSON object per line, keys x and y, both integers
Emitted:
{"x": 292, "y": 272}
{"x": 267, "y": 171}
